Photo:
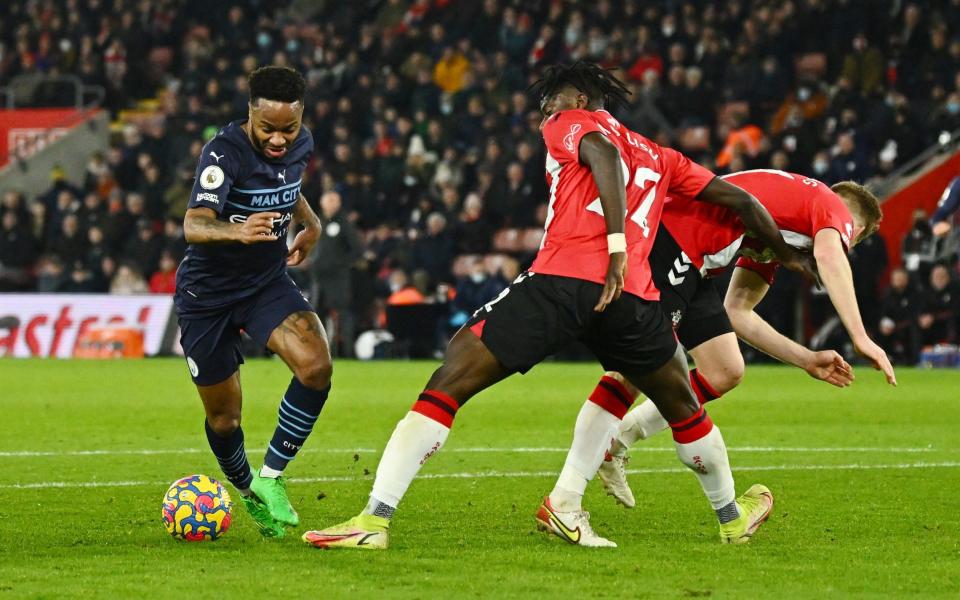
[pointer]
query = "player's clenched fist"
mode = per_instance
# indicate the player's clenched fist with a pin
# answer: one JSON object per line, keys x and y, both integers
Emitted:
{"x": 258, "y": 228}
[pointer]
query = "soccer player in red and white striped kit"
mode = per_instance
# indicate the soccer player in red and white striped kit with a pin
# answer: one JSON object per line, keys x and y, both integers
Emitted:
{"x": 607, "y": 188}
{"x": 698, "y": 240}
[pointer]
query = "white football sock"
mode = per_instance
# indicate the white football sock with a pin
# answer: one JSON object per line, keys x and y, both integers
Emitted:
{"x": 591, "y": 438}
{"x": 707, "y": 458}
{"x": 266, "y": 471}
{"x": 415, "y": 439}
{"x": 641, "y": 423}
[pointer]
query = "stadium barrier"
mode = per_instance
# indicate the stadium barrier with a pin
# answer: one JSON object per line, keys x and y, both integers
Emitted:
{"x": 110, "y": 341}
{"x": 922, "y": 192}
{"x": 51, "y": 325}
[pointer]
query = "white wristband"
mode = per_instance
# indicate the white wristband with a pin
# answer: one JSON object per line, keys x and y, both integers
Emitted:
{"x": 616, "y": 242}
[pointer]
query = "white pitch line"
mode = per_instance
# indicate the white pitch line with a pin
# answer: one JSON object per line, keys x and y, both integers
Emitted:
{"x": 503, "y": 474}
{"x": 43, "y": 453}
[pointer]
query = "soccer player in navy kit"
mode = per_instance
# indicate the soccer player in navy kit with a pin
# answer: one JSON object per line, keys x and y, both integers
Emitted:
{"x": 233, "y": 277}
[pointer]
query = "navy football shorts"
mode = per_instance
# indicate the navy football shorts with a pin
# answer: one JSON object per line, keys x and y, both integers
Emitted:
{"x": 689, "y": 300}
{"x": 539, "y": 315}
{"x": 211, "y": 340}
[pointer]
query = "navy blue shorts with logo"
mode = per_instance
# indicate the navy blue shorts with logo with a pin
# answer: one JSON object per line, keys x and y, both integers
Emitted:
{"x": 539, "y": 315}
{"x": 211, "y": 339}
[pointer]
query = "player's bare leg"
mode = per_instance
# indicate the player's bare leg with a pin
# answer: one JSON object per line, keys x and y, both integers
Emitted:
{"x": 719, "y": 369}
{"x": 700, "y": 447}
{"x": 222, "y": 403}
{"x": 719, "y": 362}
{"x": 468, "y": 368}
{"x": 301, "y": 342}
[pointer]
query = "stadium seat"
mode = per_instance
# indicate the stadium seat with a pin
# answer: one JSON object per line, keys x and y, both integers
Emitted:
{"x": 811, "y": 66}
{"x": 532, "y": 237}
{"x": 506, "y": 240}
{"x": 507, "y": 266}
{"x": 695, "y": 139}
{"x": 463, "y": 263}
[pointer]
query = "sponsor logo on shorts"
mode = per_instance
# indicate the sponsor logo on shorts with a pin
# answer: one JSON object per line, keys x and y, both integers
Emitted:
{"x": 205, "y": 197}
{"x": 676, "y": 316}
{"x": 192, "y": 365}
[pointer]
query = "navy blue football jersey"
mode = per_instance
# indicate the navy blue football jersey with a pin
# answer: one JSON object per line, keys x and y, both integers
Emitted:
{"x": 235, "y": 180}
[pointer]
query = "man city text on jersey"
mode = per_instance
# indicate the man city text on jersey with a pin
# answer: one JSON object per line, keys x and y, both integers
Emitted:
{"x": 235, "y": 180}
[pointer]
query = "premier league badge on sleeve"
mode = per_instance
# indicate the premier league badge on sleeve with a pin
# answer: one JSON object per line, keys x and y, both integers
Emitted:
{"x": 211, "y": 178}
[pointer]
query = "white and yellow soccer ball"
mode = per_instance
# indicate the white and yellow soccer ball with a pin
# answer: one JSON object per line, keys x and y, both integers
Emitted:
{"x": 196, "y": 508}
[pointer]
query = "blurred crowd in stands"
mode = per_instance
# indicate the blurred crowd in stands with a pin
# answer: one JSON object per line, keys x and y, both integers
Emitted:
{"x": 428, "y": 172}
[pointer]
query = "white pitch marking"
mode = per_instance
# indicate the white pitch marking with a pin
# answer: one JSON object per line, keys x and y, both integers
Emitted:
{"x": 490, "y": 474}
{"x": 40, "y": 453}
{"x": 32, "y": 453}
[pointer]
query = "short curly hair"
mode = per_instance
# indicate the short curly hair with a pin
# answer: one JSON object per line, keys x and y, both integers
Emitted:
{"x": 276, "y": 83}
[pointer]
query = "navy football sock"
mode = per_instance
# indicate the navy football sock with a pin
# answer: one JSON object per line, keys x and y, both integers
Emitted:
{"x": 231, "y": 456}
{"x": 299, "y": 410}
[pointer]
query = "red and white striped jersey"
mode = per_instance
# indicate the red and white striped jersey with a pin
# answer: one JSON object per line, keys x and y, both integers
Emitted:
{"x": 712, "y": 236}
{"x": 575, "y": 240}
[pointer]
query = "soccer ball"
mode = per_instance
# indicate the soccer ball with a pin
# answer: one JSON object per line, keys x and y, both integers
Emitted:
{"x": 196, "y": 508}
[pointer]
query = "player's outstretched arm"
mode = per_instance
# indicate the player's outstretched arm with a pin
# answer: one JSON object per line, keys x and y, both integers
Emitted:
{"x": 201, "y": 226}
{"x": 835, "y": 272}
{"x": 603, "y": 158}
{"x": 759, "y": 222}
{"x": 306, "y": 238}
{"x": 746, "y": 290}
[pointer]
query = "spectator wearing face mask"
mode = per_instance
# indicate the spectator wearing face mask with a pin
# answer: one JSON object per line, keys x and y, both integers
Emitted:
{"x": 473, "y": 291}
{"x": 946, "y": 117}
{"x": 821, "y": 166}
{"x": 849, "y": 161}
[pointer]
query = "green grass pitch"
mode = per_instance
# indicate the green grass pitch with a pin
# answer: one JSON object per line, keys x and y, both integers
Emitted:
{"x": 866, "y": 482}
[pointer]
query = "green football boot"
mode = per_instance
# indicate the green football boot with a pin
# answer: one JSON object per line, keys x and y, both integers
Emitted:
{"x": 269, "y": 528}
{"x": 755, "y": 505}
{"x": 273, "y": 492}
{"x": 364, "y": 532}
